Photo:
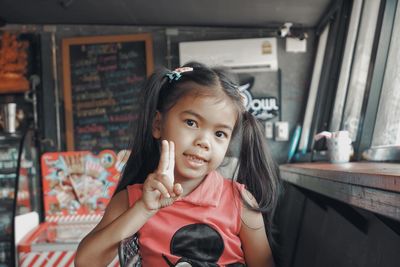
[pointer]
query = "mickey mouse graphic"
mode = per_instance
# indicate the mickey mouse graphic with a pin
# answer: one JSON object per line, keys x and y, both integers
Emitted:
{"x": 198, "y": 245}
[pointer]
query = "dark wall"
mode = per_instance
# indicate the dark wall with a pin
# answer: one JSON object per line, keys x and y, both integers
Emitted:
{"x": 295, "y": 67}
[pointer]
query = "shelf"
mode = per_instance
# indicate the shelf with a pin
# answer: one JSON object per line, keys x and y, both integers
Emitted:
{"x": 7, "y": 136}
{"x": 372, "y": 186}
{"x": 8, "y": 171}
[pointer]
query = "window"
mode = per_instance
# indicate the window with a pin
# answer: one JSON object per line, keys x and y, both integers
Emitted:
{"x": 387, "y": 126}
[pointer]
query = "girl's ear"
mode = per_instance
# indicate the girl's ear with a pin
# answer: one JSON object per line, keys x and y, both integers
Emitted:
{"x": 156, "y": 128}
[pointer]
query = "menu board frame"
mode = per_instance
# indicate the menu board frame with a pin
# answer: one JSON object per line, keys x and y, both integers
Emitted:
{"x": 146, "y": 38}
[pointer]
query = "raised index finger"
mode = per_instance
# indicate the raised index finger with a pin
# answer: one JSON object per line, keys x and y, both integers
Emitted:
{"x": 164, "y": 157}
{"x": 171, "y": 163}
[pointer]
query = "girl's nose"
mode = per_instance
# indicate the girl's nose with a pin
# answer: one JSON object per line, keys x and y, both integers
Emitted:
{"x": 203, "y": 142}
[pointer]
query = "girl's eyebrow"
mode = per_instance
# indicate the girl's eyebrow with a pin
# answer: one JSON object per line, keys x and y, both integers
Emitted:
{"x": 195, "y": 114}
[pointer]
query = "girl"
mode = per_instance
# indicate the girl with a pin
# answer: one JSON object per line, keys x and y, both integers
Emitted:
{"x": 183, "y": 211}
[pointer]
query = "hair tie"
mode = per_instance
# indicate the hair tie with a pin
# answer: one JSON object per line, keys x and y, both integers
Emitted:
{"x": 247, "y": 115}
{"x": 177, "y": 73}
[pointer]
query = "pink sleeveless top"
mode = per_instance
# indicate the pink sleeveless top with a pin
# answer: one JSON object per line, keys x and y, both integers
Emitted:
{"x": 201, "y": 227}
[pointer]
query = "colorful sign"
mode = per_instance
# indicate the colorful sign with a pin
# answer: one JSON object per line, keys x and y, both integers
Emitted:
{"x": 77, "y": 183}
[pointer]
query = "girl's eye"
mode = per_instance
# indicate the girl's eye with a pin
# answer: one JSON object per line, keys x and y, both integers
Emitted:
{"x": 221, "y": 134}
{"x": 191, "y": 123}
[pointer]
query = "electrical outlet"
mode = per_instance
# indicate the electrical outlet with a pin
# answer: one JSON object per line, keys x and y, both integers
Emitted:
{"x": 281, "y": 131}
{"x": 269, "y": 130}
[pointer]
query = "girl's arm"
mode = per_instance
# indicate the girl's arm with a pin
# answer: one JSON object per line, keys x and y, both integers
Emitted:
{"x": 257, "y": 251}
{"x": 100, "y": 246}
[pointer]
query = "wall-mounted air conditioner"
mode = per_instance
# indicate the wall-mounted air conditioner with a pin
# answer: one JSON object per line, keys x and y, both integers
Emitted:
{"x": 241, "y": 55}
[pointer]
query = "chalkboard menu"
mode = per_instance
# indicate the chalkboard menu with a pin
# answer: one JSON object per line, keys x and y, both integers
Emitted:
{"x": 102, "y": 78}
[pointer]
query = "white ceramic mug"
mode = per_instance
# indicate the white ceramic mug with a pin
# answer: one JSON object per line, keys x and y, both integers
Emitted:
{"x": 339, "y": 147}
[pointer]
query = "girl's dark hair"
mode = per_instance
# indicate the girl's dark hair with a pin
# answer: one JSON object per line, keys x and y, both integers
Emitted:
{"x": 256, "y": 168}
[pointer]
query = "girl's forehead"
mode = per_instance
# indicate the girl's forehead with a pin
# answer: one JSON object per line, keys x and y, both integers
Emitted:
{"x": 211, "y": 93}
{"x": 209, "y": 107}
{"x": 210, "y": 100}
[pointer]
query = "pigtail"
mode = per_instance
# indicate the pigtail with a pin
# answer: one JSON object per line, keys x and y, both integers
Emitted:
{"x": 257, "y": 170}
{"x": 145, "y": 152}
{"x": 260, "y": 174}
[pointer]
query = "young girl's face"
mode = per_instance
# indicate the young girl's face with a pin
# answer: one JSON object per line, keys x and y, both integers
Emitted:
{"x": 201, "y": 128}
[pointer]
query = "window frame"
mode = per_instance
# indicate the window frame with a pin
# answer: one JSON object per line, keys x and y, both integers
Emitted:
{"x": 367, "y": 127}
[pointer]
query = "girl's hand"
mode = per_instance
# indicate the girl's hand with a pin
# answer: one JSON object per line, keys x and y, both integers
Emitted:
{"x": 159, "y": 190}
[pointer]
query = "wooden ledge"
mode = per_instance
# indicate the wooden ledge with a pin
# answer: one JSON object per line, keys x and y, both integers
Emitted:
{"x": 371, "y": 186}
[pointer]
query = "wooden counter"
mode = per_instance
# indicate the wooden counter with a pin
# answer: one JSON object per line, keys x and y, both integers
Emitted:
{"x": 371, "y": 186}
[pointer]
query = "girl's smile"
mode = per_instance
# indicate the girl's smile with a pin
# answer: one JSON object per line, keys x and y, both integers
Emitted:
{"x": 195, "y": 161}
{"x": 201, "y": 128}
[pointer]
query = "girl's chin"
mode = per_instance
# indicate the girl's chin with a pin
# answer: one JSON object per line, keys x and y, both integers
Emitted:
{"x": 189, "y": 175}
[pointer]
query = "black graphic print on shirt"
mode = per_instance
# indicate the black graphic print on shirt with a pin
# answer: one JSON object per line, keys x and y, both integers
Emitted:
{"x": 198, "y": 245}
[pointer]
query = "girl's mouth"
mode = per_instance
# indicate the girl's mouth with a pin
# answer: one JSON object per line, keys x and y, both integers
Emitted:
{"x": 195, "y": 160}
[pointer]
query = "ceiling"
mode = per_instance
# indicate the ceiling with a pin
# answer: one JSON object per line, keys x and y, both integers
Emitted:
{"x": 220, "y": 13}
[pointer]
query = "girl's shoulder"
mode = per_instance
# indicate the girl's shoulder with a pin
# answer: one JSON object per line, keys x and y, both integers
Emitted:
{"x": 235, "y": 189}
{"x": 231, "y": 182}
{"x": 245, "y": 194}
{"x": 134, "y": 192}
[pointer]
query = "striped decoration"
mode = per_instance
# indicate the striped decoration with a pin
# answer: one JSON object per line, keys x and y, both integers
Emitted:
{"x": 52, "y": 258}
{"x": 59, "y": 258}
{"x": 91, "y": 218}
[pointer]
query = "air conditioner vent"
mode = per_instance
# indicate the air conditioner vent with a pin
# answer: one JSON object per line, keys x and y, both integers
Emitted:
{"x": 241, "y": 55}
